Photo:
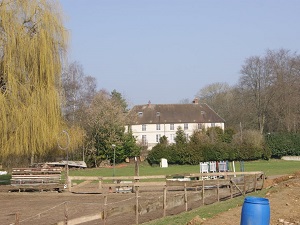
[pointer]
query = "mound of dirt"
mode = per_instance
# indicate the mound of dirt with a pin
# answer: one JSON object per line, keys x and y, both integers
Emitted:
{"x": 284, "y": 196}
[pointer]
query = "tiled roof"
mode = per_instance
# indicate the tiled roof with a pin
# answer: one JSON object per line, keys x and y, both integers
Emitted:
{"x": 174, "y": 113}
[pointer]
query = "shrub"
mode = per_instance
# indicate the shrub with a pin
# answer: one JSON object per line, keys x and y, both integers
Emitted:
{"x": 282, "y": 144}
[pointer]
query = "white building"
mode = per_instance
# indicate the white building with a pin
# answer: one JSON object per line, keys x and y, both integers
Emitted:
{"x": 150, "y": 122}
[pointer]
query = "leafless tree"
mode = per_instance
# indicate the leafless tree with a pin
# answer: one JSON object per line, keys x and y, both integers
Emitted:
{"x": 284, "y": 110}
{"x": 79, "y": 90}
{"x": 220, "y": 97}
{"x": 256, "y": 87}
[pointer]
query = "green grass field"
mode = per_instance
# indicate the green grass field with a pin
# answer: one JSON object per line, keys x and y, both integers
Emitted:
{"x": 270, "y": 168}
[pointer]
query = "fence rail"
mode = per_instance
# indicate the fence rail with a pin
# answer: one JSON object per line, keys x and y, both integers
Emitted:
{"x": 236, "y": 183}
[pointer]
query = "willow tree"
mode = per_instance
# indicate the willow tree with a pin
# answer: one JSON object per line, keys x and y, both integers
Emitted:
{"x": 32, "y": 46}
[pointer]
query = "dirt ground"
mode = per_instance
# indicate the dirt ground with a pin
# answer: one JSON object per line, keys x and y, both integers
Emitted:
{"x": 46, "y": 208}
{"x": 284, "y": 196}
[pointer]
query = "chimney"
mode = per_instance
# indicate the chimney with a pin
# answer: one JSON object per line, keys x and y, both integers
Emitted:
{"x": 196, "y": 101}
{"x": 149, "y": 103}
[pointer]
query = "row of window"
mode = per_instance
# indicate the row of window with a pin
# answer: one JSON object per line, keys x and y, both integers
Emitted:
{"x": 158, "y": 136}
{"x": 185, "y": 126}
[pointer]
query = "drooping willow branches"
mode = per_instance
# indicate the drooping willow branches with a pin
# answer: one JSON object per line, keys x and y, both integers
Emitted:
{"x": 33, "y": 42}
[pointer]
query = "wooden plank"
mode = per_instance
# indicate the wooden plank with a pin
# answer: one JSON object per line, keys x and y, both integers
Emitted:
{"x": 224, "y": 174}
{"x": 218, "y": 190}
{"x": 165, "y": 202}
{"x": 185, "y": 198}
{"x": 84, "y": 178}
{"x": 35, "y": 172}
{"x": 135, "y": 177}
{"x": 255, "y": 182}
{"x": 120, "y": 210}
{"x": 195, "y": 183}
{"x": 82, "y": 219}
{"x": 37, "y": 186}
{"x": 137, "y": 184}
{"x": 231, "y": 190}
{"x": 149, "y": 184}
{"x": 104, "y": 214}
{"x": 106, "y": 185}
{"x": 34, "y": 177}
{"x": 237, "y": 187}
{"x": 203, "y": 187}
{"x": 137, "y": 205}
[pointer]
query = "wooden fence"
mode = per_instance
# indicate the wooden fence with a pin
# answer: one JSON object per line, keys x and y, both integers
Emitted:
{"x": 238, "y": 183}
{"x": 36, "y": 178}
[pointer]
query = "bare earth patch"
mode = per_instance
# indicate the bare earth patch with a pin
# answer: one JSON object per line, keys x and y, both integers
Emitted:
{"x": 47, "y": 208}
{"x": 284, "y": 197}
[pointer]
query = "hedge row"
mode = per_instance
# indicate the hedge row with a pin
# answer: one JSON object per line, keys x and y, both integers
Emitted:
{"x": 187, "y": 154}
{"x": 200, "y": 148}
{"x": 283, "y": 144}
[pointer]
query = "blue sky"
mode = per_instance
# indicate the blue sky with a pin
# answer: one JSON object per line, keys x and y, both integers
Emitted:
{"x": 167, "y": 50}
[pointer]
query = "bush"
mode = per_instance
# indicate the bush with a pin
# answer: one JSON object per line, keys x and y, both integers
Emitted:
{"x": 283, "y": 144}
{"x": 212, "y": 145}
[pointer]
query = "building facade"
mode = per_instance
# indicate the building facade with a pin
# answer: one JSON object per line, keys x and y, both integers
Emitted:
{"x": 152, "y": 121}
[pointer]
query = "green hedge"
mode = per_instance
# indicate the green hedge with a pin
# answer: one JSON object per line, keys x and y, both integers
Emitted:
{"x": 283, "y": 144}
{"x": 209, "y": 152}
{"x": 214, "y": 145}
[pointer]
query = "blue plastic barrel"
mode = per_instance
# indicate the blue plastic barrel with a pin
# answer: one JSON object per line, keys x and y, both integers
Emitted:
{"x": 255, "y": 211}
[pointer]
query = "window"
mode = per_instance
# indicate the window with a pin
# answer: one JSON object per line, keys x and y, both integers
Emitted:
{"x": 144, "y": 127}
{"x": 187, "y": 137}
{"x": 213, "y": 124}
{"x": 140, "y": 114}
{"x": 129, "y": 128}
{"x": 172, "y": 138}
{"x": 172, "y": 126}
{"x": 157, "y": 138}
{"x": 157, "y": 113}
{"x": 157, "y": 126}
{"x": 186, "y": 126}
{"x": 200, "y": 126}
{"x": 144, "y": 139}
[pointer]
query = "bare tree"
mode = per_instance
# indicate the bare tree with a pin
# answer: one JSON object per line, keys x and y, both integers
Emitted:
{"x": 79, "y": 90}
{"x": 256, "y": 87}
{"x": 284, "y": 67}
{"x": 220, "y": 97}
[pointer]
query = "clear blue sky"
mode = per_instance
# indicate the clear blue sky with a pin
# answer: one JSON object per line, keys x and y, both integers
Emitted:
{"x": 167, "y": 50}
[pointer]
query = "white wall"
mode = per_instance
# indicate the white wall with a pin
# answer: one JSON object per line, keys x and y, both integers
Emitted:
{"x": 151, "y": 131}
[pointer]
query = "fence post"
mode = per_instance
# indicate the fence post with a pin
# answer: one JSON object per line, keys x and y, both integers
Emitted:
{"x": 17, "y": 219}
{"x": 69, "y": 183}
{"x": 136, "y": 205}
{"x": 244, "y": 185}
{"x": 218, "y": 190}
{"x": 165, "y": 201}
{"x": 231, "y": 194}
{"x": 263, "y": 182}
{"x": 255, "y": 182}
{"x": 66, "y": 213}
{"x": 104, "y": 209}
{"x": 100, "y": 184}
{"x": 203, "y": 192}
{"x": 185, "y": 198}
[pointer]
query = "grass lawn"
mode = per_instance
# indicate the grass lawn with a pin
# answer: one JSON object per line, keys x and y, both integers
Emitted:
{"x": 270, "y": 167}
